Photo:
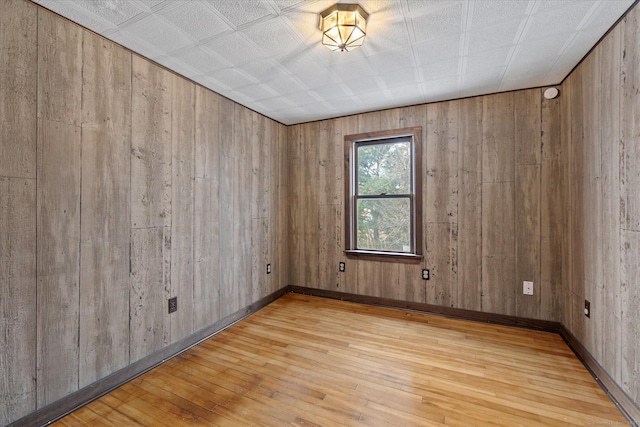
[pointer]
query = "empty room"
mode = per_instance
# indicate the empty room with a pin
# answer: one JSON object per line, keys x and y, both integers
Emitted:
{"x": 319, "y": 212}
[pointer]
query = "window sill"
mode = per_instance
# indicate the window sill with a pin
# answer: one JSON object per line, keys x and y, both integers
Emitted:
{"x": 384, "y": 256}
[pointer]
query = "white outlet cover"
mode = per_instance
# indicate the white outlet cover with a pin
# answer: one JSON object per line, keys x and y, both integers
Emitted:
{"x": 527, "y": 288}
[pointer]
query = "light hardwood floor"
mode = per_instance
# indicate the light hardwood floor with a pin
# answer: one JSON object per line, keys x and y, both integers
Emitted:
{"x": 309, "y": 361}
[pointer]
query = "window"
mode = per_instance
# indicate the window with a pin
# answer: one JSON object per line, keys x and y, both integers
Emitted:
{"x": 383, "y": 195}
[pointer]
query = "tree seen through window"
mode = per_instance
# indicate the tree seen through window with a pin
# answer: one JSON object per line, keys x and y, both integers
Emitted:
{"x": 383, "y": 198}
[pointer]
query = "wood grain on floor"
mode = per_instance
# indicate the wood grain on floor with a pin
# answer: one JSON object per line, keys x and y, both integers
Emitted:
{"x": 309, "y": 361}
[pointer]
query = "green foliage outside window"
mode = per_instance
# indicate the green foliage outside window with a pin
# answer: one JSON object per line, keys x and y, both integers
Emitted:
{"x": 384, "y": 222}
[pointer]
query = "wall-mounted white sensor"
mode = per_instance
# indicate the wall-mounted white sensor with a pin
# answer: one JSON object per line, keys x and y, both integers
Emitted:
{"x": 551, "y": 93}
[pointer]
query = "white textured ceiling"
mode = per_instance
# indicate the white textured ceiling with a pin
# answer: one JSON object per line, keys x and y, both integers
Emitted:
{"x": 266, "y": 54}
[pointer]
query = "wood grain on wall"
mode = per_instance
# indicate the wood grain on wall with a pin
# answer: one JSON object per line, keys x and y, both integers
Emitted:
{"x": 600, "y": 125}
{"x": 206, "y": 211}
{"x": 18, "y": 88}
{"x": 143, "y": 184}
{"x": 227, "y": 214}
{"x": 182, "y": 205}
{"x": 105, "y": 196}
{"x": 473, "y": 198}
{"x": 151, "y": 207}
{"x": 18, "y": 293}
{"x": 58, "y": 259}
{"x": 498, "y": 204}
{"x": 470, "y": 205}
{"x": 18, "y": 56}
{"x": 553, "y": 211}
{"x": 630, "y": 206}
{"x": 58, "y": 207}
{"x": 512, "y": 159}
{"x": 610, "y": 58}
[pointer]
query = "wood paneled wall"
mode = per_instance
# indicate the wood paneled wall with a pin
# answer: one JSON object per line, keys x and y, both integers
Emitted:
{"x": 494, "y": 206}
{"x": 121, "y": 185}
{"x": 600, "y": 124}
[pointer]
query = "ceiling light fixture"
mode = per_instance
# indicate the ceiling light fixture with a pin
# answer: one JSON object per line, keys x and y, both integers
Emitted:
{"x": 343, "y": 26}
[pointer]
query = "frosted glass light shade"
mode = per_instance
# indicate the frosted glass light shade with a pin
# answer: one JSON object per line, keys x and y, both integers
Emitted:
{"x": 343, "y": 26}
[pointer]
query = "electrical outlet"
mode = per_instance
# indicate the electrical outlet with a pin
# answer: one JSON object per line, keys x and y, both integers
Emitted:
{"x": 425, "y": 274}
{"x": 527, "y": 287}
{"x": 341, "y": 267}
{"x": 587, "y": 308}
{"x": 268, "y": 268}
{"x": 173, "y": 304}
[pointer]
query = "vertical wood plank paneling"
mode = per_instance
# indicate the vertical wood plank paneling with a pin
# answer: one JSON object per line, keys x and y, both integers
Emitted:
{"x": 208, "y": 116}
{"x": 18, "y": 311}
{"x": 528, "y": 122}
{"x": 259, "y": 257}
{"x": 411, "y": 286}
{"x": 227, "y": 200}
{"x": 527, "y": 237}
{"x": 260, "y": 177}
{"x": 58, "y": 206}
{"x": 310, "y": 196}
{"x": 330, "y": 164}
{"x": 589, "y": 198}
{"x": 592, "y": 197}
{"x": 441, "y": 193}
{"x": 241, "y": 184}
{"x": 498, "y": 248}
{"x": 150, "y": 276}
{"x": 370, "y": 122}
{"x": 497, "y": 138}
{"x": 296, "y": 207}
{"x": 441, "y": 197}
{"x": 554, "y": 211}
{"x": 329, "y": 205}
{"x": 349, "y": 278}
{"x": 577, "y": 291}
{"x": 610, "y": 68}
{"x": 630, "y": 206}
{"x": 150, "y": 145}
{"x": 105, "y": 196}
{"x": 282, "y": 215}
{"x": 390, "y": 119}
{"x": 260, "y": 189}
{"x": 115, "y": 203}
{"x": 206, "y": 239}
{"x": 630, "y": 167}
{"x": 390, "y": 280}
{"x": 329, "y": 248}
{"x": 18, "y": 54}
{"x": 59, "y": 69}
{"x": 207, "y": 255}
{"x": 18, "y": 296}
{"x": 630, "y": 300}
{"x": 182, "y": 202}
{"x": 470, "y": 205}
{"x": 58, "y": 259}
{"x": 528, "y": 149}
{"x": 567, "y": 173}
{"x": 370, "y": 278}
{"x": 498, "y": 205}
{"x": 274, "y": 239}
{"x": 442, "y": 244}
{"x": 150, "y": 208}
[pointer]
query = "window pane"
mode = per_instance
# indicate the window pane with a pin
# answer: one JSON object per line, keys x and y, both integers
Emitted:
{"x": 384, "y": 224}
{"x": 384, "y": 168}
